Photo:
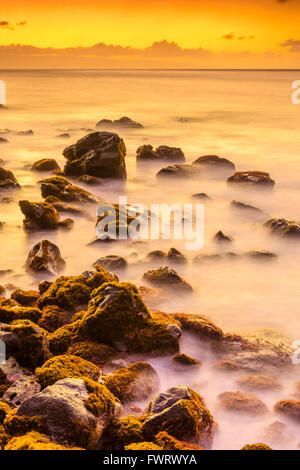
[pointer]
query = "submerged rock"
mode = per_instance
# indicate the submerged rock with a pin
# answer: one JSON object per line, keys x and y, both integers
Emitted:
{"x": 215, "y": 163}
{"x": 220, "y": 237}
{"x": 181, "y": 360}
{"x": 289, "y": 409}
{"x": 123, "y": 123}
{"x": 258, "y": 382}
{"x": 3, "y": 141}
{"x": 92, "y": 180}
{"x": 112, "y": 263}
{"x": 46, "y": 164}
{"x": 240, "y": 206}
{"x": 44, "y": 257}
{"x": 179, "y": 171}
{"x": 242, "y": 403}
{"x": 153, "y": 296}
{"x": 167, "y": 278}
{"x": 64, "y": 190}
{"x": 202, "y": 196}
{"x": 174, "y": 256}
{"x": 252, "y": 178}
{"x": 285, "y": 228}
{"x": 7, "y": 179}
{"x": 261, "y": 255}
{"x": 199, "y": 326}
{"x": 147, "y": 153}
{"x": 182, "y": 413}
{"x": 42, "y": 216}
{"x": 100, "y": 154}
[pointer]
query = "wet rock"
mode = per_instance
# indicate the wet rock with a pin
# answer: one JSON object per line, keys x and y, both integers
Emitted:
{"x": 3, "y": 141}
{"x": 64, "y": 135}
{"x": 98, "y": 354}
{"x": 215, "y": 163}
{"x": 285, "y": 228}
{"x": 258, "y": 383}
{"x": 9, "y": 314}
{"x": 242, "y": 403}
{"x": 75, "y": 411}
{"x": 258, "y": 179}
{"x": 136, "y": 382}
{"x": 179, "y": 171}
{"x": 62, "y": 189}
{"x": 202, "y": 196}
{"x": 42, "y": 216}
{"x": 225, "y": 366}
{"x": 46, "y": 164}
{"x": 92, "y": 180}
{"x": 289, "y": 409}
{"x": 22, "y": 389}
{"x": 100, "y": 154}
{"x": 258, "y": 446}
{"x": 44, "y": 257}
{"x": 122, "y": 123}
{"x": 182, "y": 413}
{"x": 261, "y": 255}
{"x": 182, "y": 361}
{"x": 220, "y": 237}
{"x": 112, "y": 263}
{"x": 54, "y": 317}
{"x": 199, "y": 326}
{"x": 167, "y": 278}
{"x": 246, "y": 208}
{"x": 44, "y": 286}
{"x": 175, "y": 257}
{"x": 7, "y": 179}
{"x": 61, "y": 367}
{"x": 146, "y": 153}
{"x": 26, "y": 298}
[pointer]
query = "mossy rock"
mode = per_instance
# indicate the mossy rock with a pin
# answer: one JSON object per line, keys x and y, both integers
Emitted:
{"x": 4, "y": 438}
{"x": 168, "y": 442}
{"x": 98, "y": 354}
{"x": 9, "y": 314}
{"x": 41, "y": 216}
{"x": 54, "y": 317}
{"x": 122, "y": 432}
{"x": 45, "y": 164}
{"x": 201, "y": 327}
{"x": 143, "y": 446}
{"x": 167, "y": 278}
{"x": 258, "y": 446}
{"x": 71, "y": 292}
{"x": 16, "y": 425}
{"x": 28, "y": 343}
{"x": 100, "y": 400}
{"x": 7, "y": 179}
{"x": 62, "y": 189}
{"x": 35, "y": 441}
{"x": 5, "y": 410}
{"x": 136, "y": 382}
{"x": 26, "y": 298}
{"x": 184, "y": 360}
{"x": 60, "y": 367}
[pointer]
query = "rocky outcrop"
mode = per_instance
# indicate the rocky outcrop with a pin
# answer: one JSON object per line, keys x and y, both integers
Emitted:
{"x": 100, "y": 154}
{"x": 62, "y": 189}
{"x": 285, "y": 228}
{"x": 42, "y": 216}
{"x": 257, "y": 179}
{"x": 44, "y": 257}
{"x": 7, "y": 179}
{"x": 146, "y": 153}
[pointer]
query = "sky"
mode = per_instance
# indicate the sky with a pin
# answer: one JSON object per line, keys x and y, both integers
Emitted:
{"x": 150, "y": 33}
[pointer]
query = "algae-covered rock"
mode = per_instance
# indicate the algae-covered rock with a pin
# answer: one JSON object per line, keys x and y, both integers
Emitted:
{"x": 168, "y": 278}
{"x": 143, "y": 446}
{"x": 258, "y": 382}
{"x": 44, "y": 256}
{"x": 5, "y": 410}
{"x": 26, "y": 298}
{"x": 201, "y": 327}
{"x": 98, "y": 354}
{"x": 182, "y": 413}
{"x": 71, "y": 292}
{"x": 122, "y": 432}
{"x": 146, "y": 153}
{"x": 41, "y": 216}
{"x": 64, "y": 190}
{"x": 242, "y": 403}
{"x": 213, "y": 163}
{"x": 35, "y": 441}
{"x": 136, "y": 382}
{"x": 26, "y": 342}
{"x": 258, "y": 446}
{"x": 289, "y": 409}
{"x": 45, "y": 164}
{"x": 21, "y": 389}
{"x": 100, "y": 154}
{"x": 60, "y": 367}
{"x": 54, "y": 317}
{"x": 181, "y": 360}
{"x": 256, "y": 179}
{"x": 75, "y": 410}
{"x": 168, "y": 442}
{"x": 7, "y": 179}
{"x": 285, "y": 228}
{"x": 9, "y": 314}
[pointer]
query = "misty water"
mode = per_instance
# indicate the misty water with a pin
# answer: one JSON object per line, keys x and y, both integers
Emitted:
{"x": 245, "y": 116}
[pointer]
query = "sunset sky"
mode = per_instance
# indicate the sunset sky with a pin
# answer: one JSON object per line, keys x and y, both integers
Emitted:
{"x": 207, "y": 33}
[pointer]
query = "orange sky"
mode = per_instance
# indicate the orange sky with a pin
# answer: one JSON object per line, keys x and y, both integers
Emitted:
{"x": 224, "y": 27}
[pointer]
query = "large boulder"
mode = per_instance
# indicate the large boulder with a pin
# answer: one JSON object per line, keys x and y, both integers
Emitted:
{"x": 167, "y": 278}
{"x": 100, "y": 154}
{"x": 7, "y": 179}
{"x": 146, "y": 153}
{"x": 182, "y": 413}
{"x": 75, "y": 411}
{"x": 122, "y": 123}
{"x": 259, "y": 179}
{"x": 213, "y": 163}
{"x": 41, "y": 216}
{"x": 62, "y": 189}
{"x": 285, "y": 228}
{"x": 45, "y": 257}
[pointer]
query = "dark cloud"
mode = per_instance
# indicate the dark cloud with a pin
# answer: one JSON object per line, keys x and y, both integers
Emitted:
{"x": 228, "y": 36}
{"x": 7, "y": 25}
{"x": 231, "y": 36}
{"x": 293, "y": 45}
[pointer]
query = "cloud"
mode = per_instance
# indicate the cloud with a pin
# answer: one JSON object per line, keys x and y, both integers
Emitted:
{"x": 293, "y": 45}
{"x": 231, "y": 36}
{"x": 228, "y": 36}
{"x": 21, "y": 23}
{"x": 7, "y": 25}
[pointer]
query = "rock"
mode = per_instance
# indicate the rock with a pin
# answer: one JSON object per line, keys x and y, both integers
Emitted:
{"x": 167, "y": 278}
{"x": 11, "y": 371}
{"x": 176, "y": 257}
{"x": 46, "y": 164}
{"x": 98, "y": 354}
{"x": 64, "y": 135}
{"x": 259, "y": 446}
{"x": 112, "y": 263}
{"x": 122, "y": 432}
{"x": 92, "y": 180}
{"x": 75, "y": 410}
{"x": 3, "y": 141}
{"x": 100, "y": 154}
{"x": 179, "y": 171}
{"x": 242, "y": 403}
{"x": 119, "y": 304}
{"x": 252, "y": 178}
{"x": 225, "y": 366}
{"x": 258, "y": 382}
{"x": 61, "y": 367}
{"x": 214, "y": 163}
{"x": 182, "y": 413}
{"x": 143, "y": 446}
{"x": 53, "y": 318}
{"x": 168, "y": 442}
{"x": 61, "y": 188}
{"x": 220, "y": 237}
{"x": 146, "y": 153}
{"x": 7, "y": 179}
{"x": 35, "y": 441}
{"x": 199, "y": 259}
{"x": 289, "y": 409}
{"x": 240, "y": 206}
{"x": 122, "y": 123}
{"x": 22, "y": 389}
{"x": 276, "y": 434}
{"x": 285, "y": 228}
{"x": 136, "y": 382}
{"x": 261, "y": 255}
{"x": 199, "y": 326}
{"x": 44, "y": 257}
{"x": 41, "y": 216}
{"x": 9, "y": 314}
{"x": 155, "y": 256}
{"x": 44, "y": 286}
{"x": 153, "y": 296}
{"x": 25, "y": 298}
{"x": 181, "y": 360}
{"x": 201, "y": 196}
